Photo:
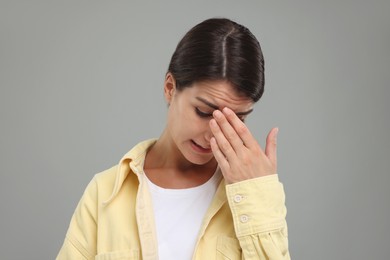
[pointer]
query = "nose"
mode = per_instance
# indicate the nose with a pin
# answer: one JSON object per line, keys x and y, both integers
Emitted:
{"x": 207, "y": 135}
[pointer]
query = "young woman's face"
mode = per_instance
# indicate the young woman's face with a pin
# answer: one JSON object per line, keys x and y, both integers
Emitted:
{"x": 190, "y": 111}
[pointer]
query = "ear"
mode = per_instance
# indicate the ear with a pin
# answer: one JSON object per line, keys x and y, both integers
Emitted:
{"x": 169, "y": 87}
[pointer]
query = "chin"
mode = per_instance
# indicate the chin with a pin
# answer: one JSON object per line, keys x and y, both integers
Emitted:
{"x": 192, "y": 156}
{"x": 198, "y": 159}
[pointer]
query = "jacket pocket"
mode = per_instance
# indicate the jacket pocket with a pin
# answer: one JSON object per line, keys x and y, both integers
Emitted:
{"x": 119, "y": 255}
{"x": 228, "y": 248}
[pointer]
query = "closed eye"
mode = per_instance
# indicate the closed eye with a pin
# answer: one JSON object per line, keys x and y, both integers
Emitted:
{"x": 202, "y": 114}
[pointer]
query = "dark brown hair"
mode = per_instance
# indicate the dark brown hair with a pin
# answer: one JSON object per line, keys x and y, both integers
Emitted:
{"x": 220, "y": 49}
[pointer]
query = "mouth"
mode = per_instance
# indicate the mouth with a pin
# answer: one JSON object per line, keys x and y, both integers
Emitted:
{"x": 200, "y": 148}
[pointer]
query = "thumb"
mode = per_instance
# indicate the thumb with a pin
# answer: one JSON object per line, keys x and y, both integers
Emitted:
{"x": 270, "y": 147}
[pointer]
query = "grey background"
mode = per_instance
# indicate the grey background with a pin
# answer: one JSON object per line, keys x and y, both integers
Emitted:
{"x": 81, "y": 83}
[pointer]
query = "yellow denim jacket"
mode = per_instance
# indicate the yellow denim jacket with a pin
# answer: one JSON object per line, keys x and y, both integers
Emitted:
{"x": 114, "y": 218}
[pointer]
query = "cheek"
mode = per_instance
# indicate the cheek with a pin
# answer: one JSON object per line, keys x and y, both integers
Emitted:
{"x": 193, "y": 127}
{"x": 201, "y": 125}
{"x": 185, "y": 123}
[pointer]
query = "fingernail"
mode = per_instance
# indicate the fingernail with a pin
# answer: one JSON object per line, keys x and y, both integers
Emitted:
{"x": 217, "y": 114}
{"x": 225, "y": 110}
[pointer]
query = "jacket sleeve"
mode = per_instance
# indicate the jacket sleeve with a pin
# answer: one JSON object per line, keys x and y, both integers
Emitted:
{"x": 259, "y": 212}
{"x": 80, "y": 240}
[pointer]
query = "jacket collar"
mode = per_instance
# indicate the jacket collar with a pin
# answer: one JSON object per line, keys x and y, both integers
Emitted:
{"x": 132, "y": 161}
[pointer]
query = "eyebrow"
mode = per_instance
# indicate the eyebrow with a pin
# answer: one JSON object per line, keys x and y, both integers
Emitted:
{"x": 216, "y": 107}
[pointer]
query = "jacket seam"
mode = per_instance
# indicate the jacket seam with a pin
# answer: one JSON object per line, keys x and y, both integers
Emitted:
{"x": 263, "y": 229}
{"x": 74, "y": 242}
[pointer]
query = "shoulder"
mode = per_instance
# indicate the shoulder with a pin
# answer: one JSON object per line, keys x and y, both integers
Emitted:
{"x": 100, "y": 186}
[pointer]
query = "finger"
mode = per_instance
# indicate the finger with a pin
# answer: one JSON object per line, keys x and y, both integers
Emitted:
{"x": 240, "y": 128}
{"x": 223, "y": 144}
{"x": 270, "y": 147}
{"x": 218, "y": 155}
{"x": 228, "y": 131}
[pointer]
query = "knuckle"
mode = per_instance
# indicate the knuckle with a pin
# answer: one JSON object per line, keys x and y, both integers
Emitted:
{"x": 272, "y": 141}
{"x": 230, "y": 136}
{"x": 257, "y": 152}
{"x": 225, "y": 146}
{"x": 246, "y": 160}
{"x": 242, "y": 129}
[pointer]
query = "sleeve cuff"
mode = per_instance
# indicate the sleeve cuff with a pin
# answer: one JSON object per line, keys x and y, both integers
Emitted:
{"x": 257, "y": 205}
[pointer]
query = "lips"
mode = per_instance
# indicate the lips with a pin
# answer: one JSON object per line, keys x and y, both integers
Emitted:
{"x": 200, "y": 148}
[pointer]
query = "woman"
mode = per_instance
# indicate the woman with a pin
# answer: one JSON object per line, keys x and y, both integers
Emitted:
{"x": 205, "y": 189}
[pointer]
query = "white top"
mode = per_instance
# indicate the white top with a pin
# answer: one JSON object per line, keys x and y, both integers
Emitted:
{"x": 178, "y": 215}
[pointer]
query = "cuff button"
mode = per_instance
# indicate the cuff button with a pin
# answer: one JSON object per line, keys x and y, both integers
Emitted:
{"x": 244, "y": 218}
{"x": 237, "y": 198}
